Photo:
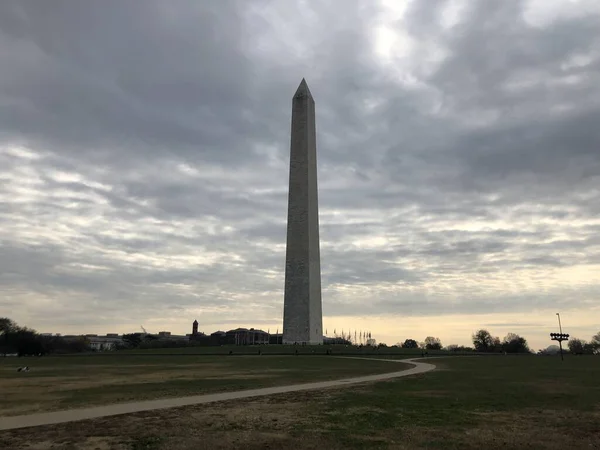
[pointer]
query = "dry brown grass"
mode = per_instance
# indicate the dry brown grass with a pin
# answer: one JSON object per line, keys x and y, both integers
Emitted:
{"x": 56, "y": 383}
{"x": 292, "y": 421}
{"x": 38, "y": 394}
{"x": 472, "y": 405}
{"x": 543, "y": 429}
{"x": 268, "y": 422}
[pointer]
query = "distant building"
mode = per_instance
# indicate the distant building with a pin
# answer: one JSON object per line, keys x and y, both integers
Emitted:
{"x": 244, "y": 336}
{"x": 218, "y": 338}
{"x": 276, "y": 338}
{"x": 167, "y": 336}
{"x": 104, "y": 343}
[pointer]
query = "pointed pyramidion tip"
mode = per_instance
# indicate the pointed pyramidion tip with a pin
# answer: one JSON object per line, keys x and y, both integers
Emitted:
{"x": 303, "y": 90}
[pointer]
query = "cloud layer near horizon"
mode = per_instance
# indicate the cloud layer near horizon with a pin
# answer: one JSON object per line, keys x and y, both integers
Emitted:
{"x": 144, "y": 151}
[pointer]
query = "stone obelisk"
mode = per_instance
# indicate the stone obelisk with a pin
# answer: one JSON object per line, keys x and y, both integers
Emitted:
{"x": 302, "y": 313}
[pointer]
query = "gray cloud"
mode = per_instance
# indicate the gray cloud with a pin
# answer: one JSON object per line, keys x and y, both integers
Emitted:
{"x": 144, "y": 149}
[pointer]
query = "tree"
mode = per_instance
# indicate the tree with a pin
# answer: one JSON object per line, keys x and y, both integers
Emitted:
{"x": 132, "y": 340}
{"x": 8, "y": 335}
{"x": 25, "y": 341}
{"x": 483, "y": 341}
{"x": 7, "y": 326}
{"x": 496, "y": 345}
{"x": 595, "y": 343}
{"x": 576, "y": 346}
{"x": 410, "y": 343}
{"x": 458, "y": 348}
{"x": 513, "y": 343}
{"x": 433, "y": 343}
{"x": 588, "y": 349}
{"x": 28, "y": 342}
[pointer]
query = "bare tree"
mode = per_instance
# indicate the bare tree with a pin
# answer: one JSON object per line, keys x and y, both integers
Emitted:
{"x": 433, "y": 343}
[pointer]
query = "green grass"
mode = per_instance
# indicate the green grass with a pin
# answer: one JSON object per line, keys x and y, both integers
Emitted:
{"x": 505, "y": 393}
{"x": 472, "y": 403}
{"x": 64, "y": 382}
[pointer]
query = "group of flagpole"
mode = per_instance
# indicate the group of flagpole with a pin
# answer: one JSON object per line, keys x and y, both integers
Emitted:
{"x": 360, "y": 337}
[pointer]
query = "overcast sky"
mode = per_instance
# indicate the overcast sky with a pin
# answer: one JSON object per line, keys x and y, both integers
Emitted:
{"x": 144, "y": 151}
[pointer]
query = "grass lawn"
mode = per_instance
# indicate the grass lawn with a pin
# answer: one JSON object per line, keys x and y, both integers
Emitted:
{"x": 65, "y": 382}
{"x": 476, "y": 402}
{"x": 506, "y": 402}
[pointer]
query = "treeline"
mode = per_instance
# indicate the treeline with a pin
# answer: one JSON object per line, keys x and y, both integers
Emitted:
{"x": 482, "y": 340}
{"x": 24, "y": 341}
{"x": 581, "y": 347}
{"x": 430, "y": 343}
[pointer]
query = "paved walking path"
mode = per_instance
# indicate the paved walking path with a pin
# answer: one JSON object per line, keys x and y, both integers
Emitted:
{"x": 51, "y": 418}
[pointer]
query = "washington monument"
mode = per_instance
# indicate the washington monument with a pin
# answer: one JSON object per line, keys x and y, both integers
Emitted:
{"x": 302, "y": 314}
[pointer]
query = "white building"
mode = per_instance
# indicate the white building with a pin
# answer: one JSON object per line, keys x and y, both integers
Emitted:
{"x": 104, "y": 343}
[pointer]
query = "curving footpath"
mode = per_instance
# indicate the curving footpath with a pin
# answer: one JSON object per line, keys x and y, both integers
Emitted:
{"x": 51, "y": 418}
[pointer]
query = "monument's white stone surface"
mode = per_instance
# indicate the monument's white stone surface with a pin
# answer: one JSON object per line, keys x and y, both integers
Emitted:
{"x": 302, "y": 312}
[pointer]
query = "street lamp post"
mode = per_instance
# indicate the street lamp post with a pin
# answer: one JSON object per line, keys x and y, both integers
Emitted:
{"x": 559, "y": 337}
